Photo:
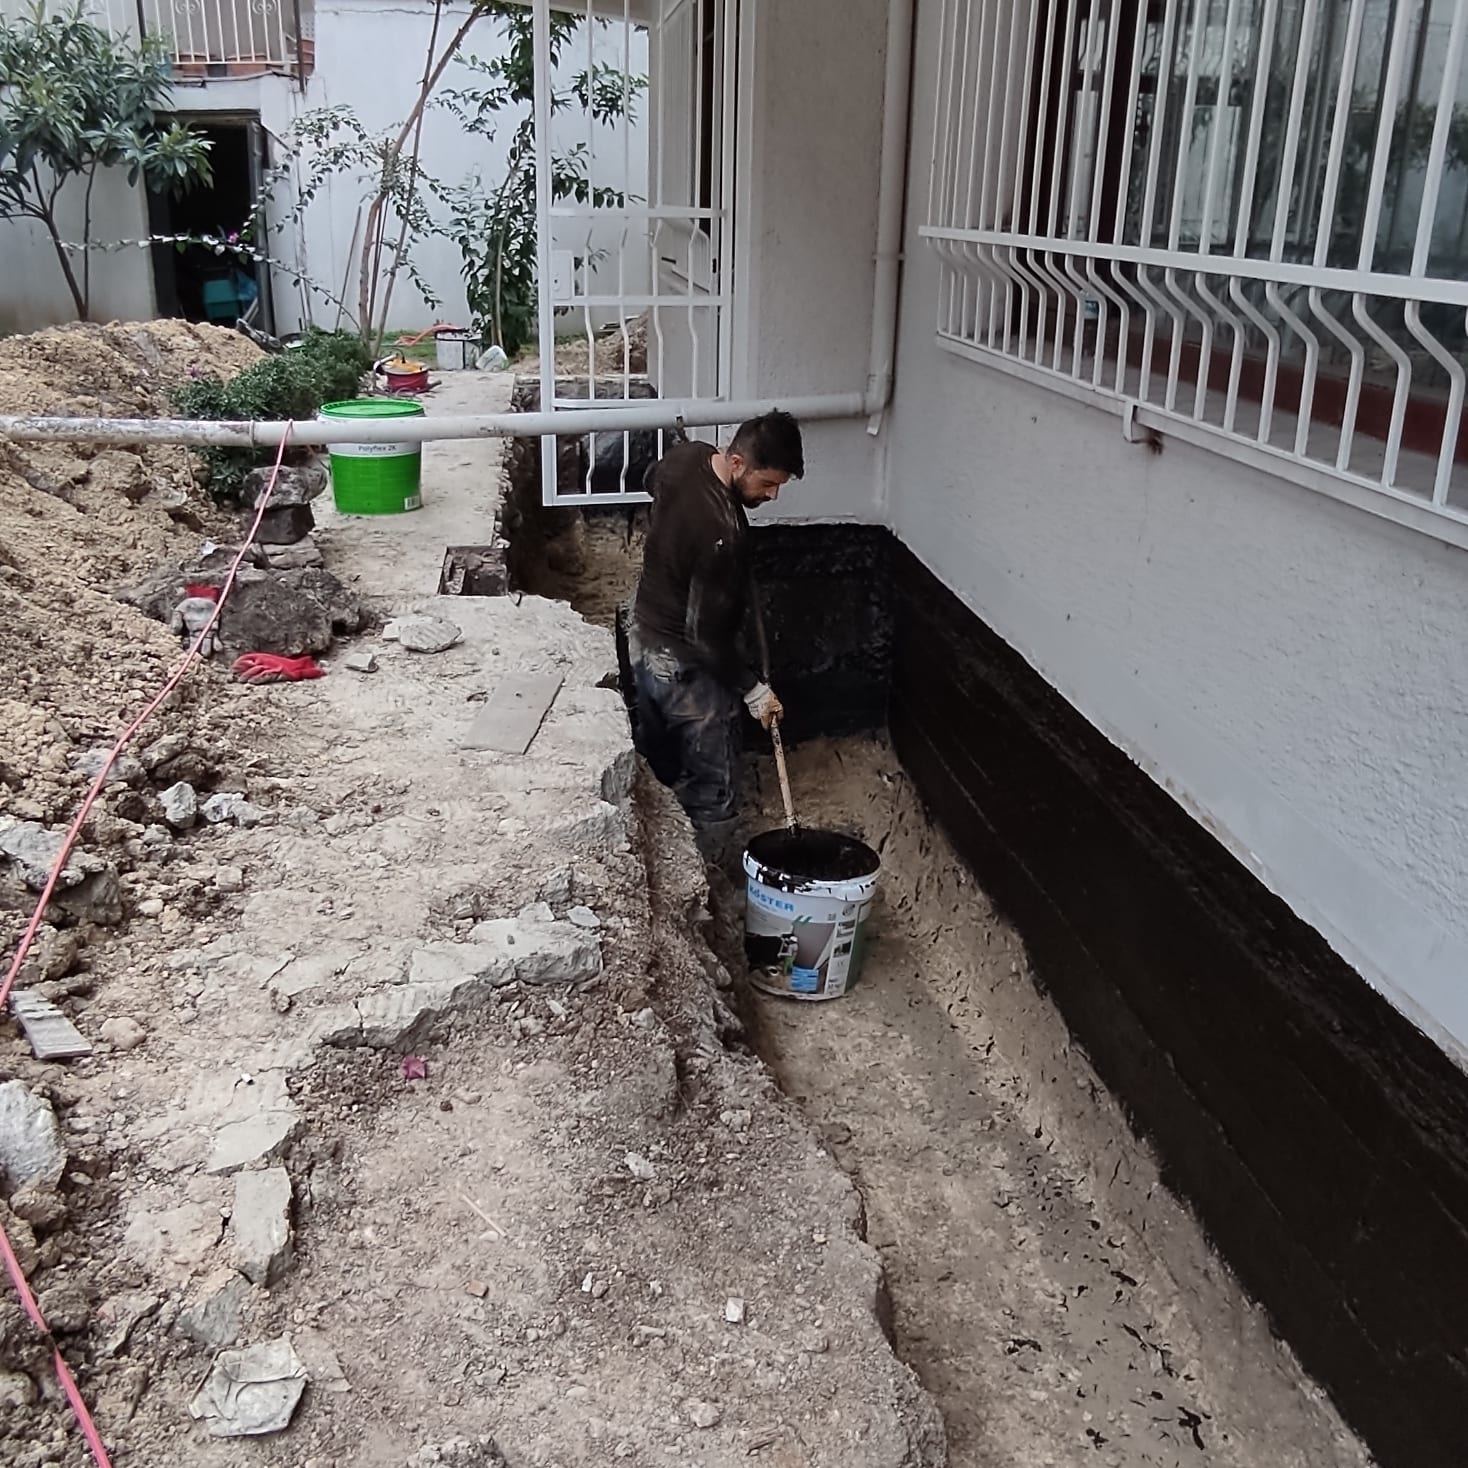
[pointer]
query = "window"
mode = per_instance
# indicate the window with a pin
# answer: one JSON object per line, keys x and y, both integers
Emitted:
{"x": 1246, "y": 218}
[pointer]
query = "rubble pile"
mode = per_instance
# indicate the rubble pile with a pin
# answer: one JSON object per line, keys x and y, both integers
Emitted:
{"x": 76, "y": 521}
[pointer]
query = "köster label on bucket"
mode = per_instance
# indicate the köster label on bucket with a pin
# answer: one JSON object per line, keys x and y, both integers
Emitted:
{"x": 803, "y": 928}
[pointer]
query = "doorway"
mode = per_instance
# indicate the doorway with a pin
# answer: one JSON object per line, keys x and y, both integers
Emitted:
{"x": 194, "y": 281}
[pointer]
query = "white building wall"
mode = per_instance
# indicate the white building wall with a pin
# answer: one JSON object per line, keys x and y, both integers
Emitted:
{"x": 33, "y": 290}
{"x": 1289, "y": 668}
{"x": 807, "y": 218}
{"x": 369, "y": 57}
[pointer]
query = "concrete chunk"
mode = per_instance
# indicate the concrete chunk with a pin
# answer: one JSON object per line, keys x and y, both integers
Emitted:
{"x": 31, "y": 1148}
{"x": 261, "y": 1224}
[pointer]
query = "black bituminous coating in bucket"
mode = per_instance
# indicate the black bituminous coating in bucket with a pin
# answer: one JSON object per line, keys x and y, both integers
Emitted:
{"x": 792, "y": 858}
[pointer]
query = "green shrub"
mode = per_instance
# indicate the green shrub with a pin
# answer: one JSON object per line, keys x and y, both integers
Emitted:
{"x": 325, "y": 368}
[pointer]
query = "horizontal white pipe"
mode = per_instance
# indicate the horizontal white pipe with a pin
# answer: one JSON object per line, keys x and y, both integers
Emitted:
{"x": 316, "y": 433}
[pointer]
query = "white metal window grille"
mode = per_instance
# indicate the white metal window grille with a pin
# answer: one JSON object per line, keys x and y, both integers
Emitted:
{"x": 1241, "y": 221}
{"x": 631, "y": 272}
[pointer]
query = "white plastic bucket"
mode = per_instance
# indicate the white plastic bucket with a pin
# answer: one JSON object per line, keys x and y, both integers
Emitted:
{"x": 808, "y": 897}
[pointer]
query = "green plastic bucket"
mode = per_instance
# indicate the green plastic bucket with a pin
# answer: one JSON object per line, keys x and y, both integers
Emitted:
{"x": 375, "y": 478}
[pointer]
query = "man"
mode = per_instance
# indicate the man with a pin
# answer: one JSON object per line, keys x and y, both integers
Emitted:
{"x": 683, "y": 636}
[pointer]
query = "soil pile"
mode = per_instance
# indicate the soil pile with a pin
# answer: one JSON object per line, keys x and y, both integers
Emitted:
{"x": 77, "y": 520}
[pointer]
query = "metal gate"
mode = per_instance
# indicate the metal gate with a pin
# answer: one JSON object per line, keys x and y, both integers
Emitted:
{"x": 636, "y": 234}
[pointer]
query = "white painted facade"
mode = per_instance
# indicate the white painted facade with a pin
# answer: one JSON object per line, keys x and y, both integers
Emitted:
{"x": 369, "y": 57}
{"x": 1289, "y": 667}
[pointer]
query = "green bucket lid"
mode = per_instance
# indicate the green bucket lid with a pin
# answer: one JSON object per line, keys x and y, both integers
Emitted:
{"x": 368, "y": 408}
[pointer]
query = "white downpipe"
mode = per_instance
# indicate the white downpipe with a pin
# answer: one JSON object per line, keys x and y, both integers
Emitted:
{"x": 541, "y": 34}
{"x": 891, "y": 200}
{"x": 611, "y": 417}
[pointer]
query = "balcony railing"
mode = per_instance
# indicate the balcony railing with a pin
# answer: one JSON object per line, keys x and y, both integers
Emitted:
{"x": 210, "y": 39}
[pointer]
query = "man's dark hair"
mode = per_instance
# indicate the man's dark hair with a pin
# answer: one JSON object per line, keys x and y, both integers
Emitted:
{"x": 771, "y": 441}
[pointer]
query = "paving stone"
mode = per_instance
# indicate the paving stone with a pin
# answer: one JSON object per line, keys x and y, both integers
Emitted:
{"x": 260, "y": 1122}
{"x": 260, "y": 1226}
{"x": 541, "y": 952}
{"x": 251, "y": 1392}
{"x": 427, "y": 634}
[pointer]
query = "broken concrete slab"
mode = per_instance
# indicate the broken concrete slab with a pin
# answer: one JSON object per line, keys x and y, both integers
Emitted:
{"x": 215, "y": 1316}
{"x": 31, "y": 1145}
{"x": 260, "y": 1226}
{"x": 509, "y": 722}
{"x": 259, "y": 1124}
{"x": 301, "y": 556}
{"x": 360, "y": 662}
{"x": 251, "y": 1392}
{"x": 542, "y": 953}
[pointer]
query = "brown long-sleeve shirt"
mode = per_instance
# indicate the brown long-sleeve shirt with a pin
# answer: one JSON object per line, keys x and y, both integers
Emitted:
{"x": 694, "y": 591}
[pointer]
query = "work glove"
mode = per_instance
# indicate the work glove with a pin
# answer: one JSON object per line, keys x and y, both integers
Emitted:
{"x": 190, "y": 617}
{"x": 764, "y": 708}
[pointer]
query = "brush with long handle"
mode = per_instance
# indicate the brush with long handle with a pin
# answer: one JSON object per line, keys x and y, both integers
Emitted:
{"x": 764, "y": 652}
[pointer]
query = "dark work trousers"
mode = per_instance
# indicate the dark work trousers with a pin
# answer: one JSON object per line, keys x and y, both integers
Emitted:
{"x": 688, "y": 731}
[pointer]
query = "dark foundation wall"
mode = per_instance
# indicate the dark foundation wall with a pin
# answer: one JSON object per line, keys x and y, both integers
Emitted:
{"x": 826, "y": 594}
{"x": 1320, "y": 1137}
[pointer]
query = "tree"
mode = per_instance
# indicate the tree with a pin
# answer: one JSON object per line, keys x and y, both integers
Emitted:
{"x": 495, "y": 229}
{"x": 74, "y": 101}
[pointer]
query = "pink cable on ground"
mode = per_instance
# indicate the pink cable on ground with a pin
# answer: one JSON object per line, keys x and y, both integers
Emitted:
{"x": 12, "y": 1264}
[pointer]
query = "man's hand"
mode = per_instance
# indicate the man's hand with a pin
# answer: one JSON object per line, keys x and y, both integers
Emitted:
{"x": 190, "y": 617}
{"x": 762, "y": 704}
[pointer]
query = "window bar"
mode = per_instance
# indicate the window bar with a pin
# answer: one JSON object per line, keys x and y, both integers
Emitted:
{"x": 1284, "y": 199}
{"x": 1179, "y": 189}
{"x": 1105, "y": 296}
{"x": 1149, "y": 199}
{"x": 697, "y": 200}
{"x": 959, "y": 219}
{"x": 1016, "y": 215}
{"x": 996, "y": 162}
{"x": 1123, "y": 195}
{"x": 626, "y": 344}
{"x": 217, "y": 35}
{"x": 1085, "y": 128}
{"x": 997, "y": 221}
{"x": 1042, "y": 112}
{"x": 658, "y": 193}
{"x": 1258, "y": 101}
{"x": 1057, "y": 175}
{"x": 934, "y": 161}
{"x": 1330, "y": 190}
{"x": 626, "y": 125}
{"x": 947, "y": 93}
{"x": 1381, "y": 161}
{"x": 723, "y": 276}
{"x": 1422, "y": 250}
{"x": 990, "y": 165}
{"x": 1210, "y": 198}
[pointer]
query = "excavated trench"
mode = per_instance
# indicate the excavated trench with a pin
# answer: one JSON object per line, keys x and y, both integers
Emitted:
{"x": 1059, "y": 1304}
